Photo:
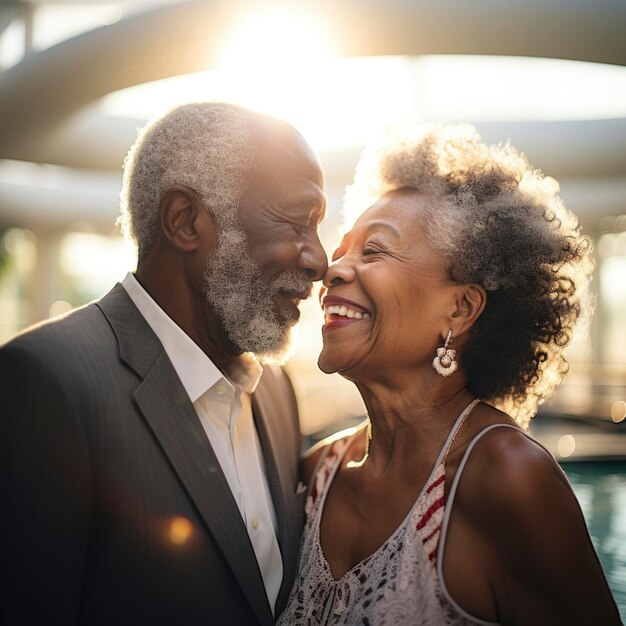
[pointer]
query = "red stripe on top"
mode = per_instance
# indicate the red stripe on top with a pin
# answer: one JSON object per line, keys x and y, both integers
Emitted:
{"x": 433, "y": 554}
{"x": 437, "y": 504}
{"x": 436, "y": 483}
{"x": 427, "y": 539}
{"x": 325, "y": 472}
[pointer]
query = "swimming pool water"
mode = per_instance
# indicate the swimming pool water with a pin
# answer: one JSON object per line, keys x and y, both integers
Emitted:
{"x": 601, "y": 491}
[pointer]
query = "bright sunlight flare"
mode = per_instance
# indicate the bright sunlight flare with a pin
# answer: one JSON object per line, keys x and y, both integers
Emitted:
{"x": 278, "y": 40}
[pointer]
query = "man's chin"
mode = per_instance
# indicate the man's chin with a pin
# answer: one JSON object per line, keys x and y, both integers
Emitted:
{"x": 282, "y": 352}
{"x": 286, "y": 312}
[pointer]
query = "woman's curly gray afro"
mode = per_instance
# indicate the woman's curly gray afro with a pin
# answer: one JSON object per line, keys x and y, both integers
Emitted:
{"x": 502, "y": 225}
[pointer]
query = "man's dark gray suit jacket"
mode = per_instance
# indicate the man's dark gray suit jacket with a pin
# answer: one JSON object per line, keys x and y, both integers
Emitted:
{"x": 101, "y": 450}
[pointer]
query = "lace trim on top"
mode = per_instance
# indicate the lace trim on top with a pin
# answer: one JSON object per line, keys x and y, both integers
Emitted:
{"x": 397, "y": 584}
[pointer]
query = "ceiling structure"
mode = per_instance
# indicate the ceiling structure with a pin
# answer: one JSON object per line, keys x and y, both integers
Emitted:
{"x": 47, "y": 112}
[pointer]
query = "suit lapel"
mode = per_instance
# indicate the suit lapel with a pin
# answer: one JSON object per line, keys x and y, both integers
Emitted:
{"x": 166, "y": 407}
{"x": 262, "y": 421}
{"x": 270, "y": 418}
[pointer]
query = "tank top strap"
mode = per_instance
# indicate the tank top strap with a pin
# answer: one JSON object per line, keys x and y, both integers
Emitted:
{"x": 446, "y": 520}
{"x": 466, "y": 455}
{"x": 453, "y": 432}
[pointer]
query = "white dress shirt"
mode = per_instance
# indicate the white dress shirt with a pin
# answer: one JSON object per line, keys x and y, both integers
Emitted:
{"x": 225, "y": 411}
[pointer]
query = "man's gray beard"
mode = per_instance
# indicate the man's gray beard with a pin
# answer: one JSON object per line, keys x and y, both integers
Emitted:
{"x": 244, "y": 302}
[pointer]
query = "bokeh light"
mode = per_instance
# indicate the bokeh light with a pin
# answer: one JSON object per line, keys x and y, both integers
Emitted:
{"x": 566, "y": 446}
{"x": 180, "y": 530}
{"x": 618, "y": 411}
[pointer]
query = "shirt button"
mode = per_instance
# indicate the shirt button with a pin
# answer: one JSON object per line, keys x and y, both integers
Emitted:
{"x": 220, "y": 389}
{"x": 255, "y": 521}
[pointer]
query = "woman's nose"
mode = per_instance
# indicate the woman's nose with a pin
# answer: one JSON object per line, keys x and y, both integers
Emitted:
{"x": 341, "y": 271}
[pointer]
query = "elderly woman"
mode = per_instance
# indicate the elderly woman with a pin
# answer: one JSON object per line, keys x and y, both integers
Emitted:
{"x": 449, "y": 304}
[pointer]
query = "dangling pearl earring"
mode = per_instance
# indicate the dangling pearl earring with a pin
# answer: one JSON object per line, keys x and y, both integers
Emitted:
{"x": 445, "y": 362}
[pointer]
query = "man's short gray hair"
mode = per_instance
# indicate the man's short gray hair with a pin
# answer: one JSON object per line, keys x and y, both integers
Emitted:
{"x": 204, "y": 146}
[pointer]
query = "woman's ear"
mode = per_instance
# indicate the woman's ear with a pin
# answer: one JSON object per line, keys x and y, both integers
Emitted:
{"x": 181, "y": 214}
{"x": 470, "y": 303}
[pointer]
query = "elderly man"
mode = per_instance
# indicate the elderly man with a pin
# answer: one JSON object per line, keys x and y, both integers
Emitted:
{"x": 149, "y": 462}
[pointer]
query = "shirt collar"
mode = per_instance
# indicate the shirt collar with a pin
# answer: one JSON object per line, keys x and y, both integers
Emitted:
{"x": 245, "y": 371}
{"x": 196, "y": 371}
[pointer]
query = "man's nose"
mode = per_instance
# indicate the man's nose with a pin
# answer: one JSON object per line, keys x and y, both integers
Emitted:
{"x": 313, "y": 259}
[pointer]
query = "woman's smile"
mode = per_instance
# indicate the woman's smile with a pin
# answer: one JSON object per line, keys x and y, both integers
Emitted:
{"x": 340, "y": 312}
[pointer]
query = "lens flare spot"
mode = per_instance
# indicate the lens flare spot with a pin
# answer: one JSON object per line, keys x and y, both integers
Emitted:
{"x": 566, "y": 446}
{"x": 618, "y": 411}
{"x": 59, "y": 308}
{"x": 180, "y": 531}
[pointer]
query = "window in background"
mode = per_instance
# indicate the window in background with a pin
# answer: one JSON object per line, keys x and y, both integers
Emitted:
{"x": 48, "y": 274}
{"x": 612, "y": 253}
{"x": 18, "y": 253}
{"x": 91, "y": 264}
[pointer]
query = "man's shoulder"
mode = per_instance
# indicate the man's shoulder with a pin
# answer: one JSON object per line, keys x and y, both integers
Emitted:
{"x": 64, "y": 330}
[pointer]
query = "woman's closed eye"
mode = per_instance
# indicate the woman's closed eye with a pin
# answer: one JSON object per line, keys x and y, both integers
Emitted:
{"x": 372, "y": 248}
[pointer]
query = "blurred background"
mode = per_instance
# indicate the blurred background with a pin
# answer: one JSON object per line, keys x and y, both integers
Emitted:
{"x": 77, "y": 79}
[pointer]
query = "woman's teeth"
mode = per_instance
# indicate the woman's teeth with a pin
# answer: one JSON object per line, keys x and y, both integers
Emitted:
{"x": 346, "y": 311}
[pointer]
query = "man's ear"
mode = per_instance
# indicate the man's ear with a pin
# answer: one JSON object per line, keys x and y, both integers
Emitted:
{"x": 183, "y": 218}
{"x": 470, "y": 303}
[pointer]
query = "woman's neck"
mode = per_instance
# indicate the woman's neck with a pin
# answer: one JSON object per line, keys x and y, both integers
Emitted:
{"x": 411, "y": 421}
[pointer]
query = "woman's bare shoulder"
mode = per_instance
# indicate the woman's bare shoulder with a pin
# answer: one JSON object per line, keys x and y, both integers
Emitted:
{"x": 511, "y": 470}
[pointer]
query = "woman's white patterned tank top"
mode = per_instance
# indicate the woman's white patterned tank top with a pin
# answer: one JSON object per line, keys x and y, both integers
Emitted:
{"x": 396, "y": 585}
